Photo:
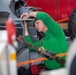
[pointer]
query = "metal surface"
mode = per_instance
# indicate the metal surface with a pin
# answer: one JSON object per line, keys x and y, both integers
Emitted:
{"x": 57, "y": 9}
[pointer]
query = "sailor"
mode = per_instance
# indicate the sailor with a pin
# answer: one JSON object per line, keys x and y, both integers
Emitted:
{"x": 54, "y": 38}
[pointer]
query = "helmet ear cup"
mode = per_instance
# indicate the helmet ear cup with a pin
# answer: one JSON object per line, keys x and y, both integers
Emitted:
{"x": 21, "y": 70}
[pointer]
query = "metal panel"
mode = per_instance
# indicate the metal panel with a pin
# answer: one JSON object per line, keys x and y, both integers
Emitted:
{"x": 58, "y": 9}
{"x": 65, "y": 7}
{"x": 49, "y": 6}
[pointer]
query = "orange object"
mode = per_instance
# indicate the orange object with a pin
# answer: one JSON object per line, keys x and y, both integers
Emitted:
{"x": 38, "y": 59}
{"x": 12, "y": 56}
{"x": 63, "y": 20}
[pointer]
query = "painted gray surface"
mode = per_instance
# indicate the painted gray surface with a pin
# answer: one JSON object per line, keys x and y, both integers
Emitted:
{"x": 23, "y": 56}
{"x": 4, "y": 6}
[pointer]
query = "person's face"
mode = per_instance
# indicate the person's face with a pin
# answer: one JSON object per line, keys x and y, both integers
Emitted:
{"x": 39, "y": 25}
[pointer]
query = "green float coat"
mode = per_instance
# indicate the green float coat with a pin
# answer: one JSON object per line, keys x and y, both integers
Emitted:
{"x": 54, "y": 39}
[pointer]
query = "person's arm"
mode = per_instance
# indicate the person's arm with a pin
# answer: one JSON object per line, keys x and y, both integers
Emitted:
{"x": 55, "y": 29}
{"x": 26, "y": 31}
{"x": 27, "y": 36}
{"x": 35, "y": 43}
{"x": 27, "y": 15}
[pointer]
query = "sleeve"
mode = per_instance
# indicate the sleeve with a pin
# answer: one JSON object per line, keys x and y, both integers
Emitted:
{"x": 55, "y": 29}
{"x": 36, "y": 43}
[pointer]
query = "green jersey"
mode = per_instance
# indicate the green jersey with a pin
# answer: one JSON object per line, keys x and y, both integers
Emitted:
{"x": 54, "y": 39}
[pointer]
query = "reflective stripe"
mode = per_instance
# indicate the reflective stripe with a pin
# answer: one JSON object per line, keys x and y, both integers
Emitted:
{"x": 62, "y": 54}
{"x": 12, "y": 56}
